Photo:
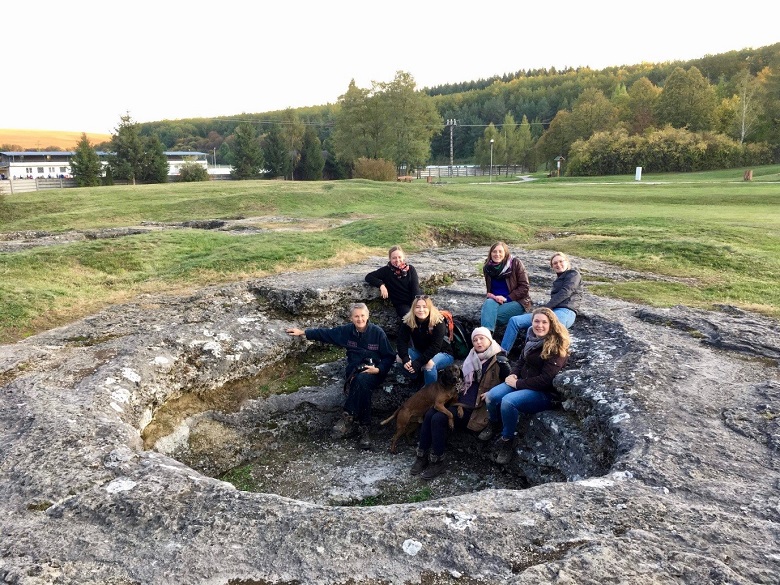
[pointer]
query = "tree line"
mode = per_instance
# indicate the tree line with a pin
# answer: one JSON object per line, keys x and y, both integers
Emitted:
{"x": 717, "y": 110}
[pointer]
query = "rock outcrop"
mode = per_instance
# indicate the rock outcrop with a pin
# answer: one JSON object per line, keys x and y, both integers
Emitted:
{"x": 661, "y": 468}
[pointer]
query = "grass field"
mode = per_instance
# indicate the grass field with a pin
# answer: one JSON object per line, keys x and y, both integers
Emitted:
{"x": 713, "y": 228}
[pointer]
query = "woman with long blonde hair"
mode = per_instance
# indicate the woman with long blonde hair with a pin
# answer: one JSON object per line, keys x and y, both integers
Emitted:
{"x": 529, "y": 387}
{"x": 423, "y": 346}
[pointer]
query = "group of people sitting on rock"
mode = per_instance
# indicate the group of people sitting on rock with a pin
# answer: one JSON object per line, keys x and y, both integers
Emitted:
{"x": 493, "y": 393}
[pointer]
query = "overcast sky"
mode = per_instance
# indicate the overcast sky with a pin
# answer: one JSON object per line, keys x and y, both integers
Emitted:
{"x": 80, "y": 65}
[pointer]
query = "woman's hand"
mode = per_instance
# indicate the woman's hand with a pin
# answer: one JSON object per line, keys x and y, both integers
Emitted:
{"x": 498, "y": 298}
{"x": 371, "y": 370}
{"x": 294, "y": 332}
{"x": 511, "y": 381}
{"x": 408, "y": 367}
{"x": 383, "y": 291}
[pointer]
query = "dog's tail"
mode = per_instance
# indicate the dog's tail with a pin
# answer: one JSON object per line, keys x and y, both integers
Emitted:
{"x": 391, "y": 417}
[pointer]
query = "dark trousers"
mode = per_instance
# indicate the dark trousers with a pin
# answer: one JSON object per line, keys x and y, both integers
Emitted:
{"x": 436, "y": 428}
{"x": 358, "y": 402}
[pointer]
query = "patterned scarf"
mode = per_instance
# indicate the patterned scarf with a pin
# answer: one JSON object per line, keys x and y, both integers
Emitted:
{"x": 472, "y": 365}
{"x": 399, "y": 271}
{"x": 498, "y": 271}
{"x": 532, "y": 342}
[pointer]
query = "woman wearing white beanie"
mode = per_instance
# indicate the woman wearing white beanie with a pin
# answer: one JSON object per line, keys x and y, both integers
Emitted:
{"x": 485, "y": 366}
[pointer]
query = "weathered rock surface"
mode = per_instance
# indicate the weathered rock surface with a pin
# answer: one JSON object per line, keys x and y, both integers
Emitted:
{"x": 662, "y": 468}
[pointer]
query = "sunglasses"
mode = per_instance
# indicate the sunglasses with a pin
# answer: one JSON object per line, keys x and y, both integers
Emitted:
{"x": 421, "y": 298}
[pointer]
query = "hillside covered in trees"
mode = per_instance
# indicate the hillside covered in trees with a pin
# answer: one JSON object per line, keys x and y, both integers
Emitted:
{"x": 714, "y": 112}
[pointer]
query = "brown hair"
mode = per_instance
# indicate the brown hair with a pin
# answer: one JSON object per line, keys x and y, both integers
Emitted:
{"x": 493, "y": 247}
{"x": 557, "y": 341}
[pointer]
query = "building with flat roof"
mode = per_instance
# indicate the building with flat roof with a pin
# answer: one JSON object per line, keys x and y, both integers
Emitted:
{"x": 54, "y": 164}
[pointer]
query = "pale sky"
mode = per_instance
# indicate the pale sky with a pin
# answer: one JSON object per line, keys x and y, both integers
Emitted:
{"x": 80, "y": 65}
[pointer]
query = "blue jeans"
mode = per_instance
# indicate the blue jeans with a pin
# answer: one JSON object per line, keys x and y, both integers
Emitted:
{"x": 505, "y": 403}
{"x": 523, "y": 322}
{"x": 494, "y": 314}
{"x": 430, "y": 375}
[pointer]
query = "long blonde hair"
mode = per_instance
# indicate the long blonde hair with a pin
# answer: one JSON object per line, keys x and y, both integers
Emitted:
{"x": 557, "y": 340}
{"x": 434, "y": 316}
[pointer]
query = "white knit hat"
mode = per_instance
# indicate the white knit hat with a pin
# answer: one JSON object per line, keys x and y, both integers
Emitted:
{"x": 481, "y": 331}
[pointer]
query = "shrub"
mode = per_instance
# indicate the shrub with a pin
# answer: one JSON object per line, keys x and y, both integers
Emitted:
{"x": 375, "y": 169}
{"x": 191, "y": 172}
{"x": 661, "y": 151}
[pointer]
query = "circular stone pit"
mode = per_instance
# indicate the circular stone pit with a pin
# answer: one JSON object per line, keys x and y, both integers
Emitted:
{"x": 673, "y": 409}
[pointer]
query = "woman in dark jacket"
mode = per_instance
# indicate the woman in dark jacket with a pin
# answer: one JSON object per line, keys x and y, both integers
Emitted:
{"x": 529, "y": 388}
{"x": 565, "y": 298}
{"x": 396, "y": 281}
{"x": 507, "y": 287}
{"x": 484, "y": 367}
{"x": 422, "y": 344}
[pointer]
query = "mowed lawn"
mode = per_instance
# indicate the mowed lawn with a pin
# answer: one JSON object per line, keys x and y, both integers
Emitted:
{"x": 721, "y": 233}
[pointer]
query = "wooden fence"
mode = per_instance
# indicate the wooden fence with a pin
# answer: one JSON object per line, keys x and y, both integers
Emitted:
{"x": 10, "y": 186}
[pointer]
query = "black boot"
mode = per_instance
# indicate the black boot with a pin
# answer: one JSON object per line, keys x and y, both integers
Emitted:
{"x": 490, "y": 431}
{"x": 435, "y": 467}
{"x": 420, "y": 463}
{"x": 365, "y": 438}
{"x": 505, "y": 450}
{"x": 345, "y": 427}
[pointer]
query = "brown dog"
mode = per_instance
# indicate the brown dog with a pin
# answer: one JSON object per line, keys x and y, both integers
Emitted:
{"x": 438, "y": 395}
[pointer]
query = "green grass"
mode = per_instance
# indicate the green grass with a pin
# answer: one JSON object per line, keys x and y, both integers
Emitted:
{"x": 712, "y": 228}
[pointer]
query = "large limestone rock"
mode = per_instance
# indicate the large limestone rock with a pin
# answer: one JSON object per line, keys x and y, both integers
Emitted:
{"x": 662, "y": 467}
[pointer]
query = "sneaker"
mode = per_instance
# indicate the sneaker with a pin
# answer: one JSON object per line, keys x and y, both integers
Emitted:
{"x": 420, "y": 463}
{"x": 365, "y": 438}
{"x": 505, "y": 450}
{"x": 435, "y": 467}
{"x": 345, "y": 427}
{"x": 489, "y": 431}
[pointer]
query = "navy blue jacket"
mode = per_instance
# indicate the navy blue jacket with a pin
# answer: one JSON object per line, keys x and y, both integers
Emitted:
{"x": 372, "y": 343}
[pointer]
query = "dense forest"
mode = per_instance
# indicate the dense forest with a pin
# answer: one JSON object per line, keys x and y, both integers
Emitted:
{"x": 715, "y": 111}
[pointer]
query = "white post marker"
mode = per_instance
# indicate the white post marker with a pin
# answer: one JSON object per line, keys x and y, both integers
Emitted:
{"x": 638, "y": 176}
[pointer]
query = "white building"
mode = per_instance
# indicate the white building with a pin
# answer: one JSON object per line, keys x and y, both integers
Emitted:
{"x": 54, "y": 164}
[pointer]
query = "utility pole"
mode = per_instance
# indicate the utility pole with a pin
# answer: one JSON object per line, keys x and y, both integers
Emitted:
{"x": 451, "y": 123}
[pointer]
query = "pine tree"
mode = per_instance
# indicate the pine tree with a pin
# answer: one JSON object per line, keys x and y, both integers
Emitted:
{"x": 127, "y": 158}
{"x": 85, "y": 164}
{"x": 155, "y": 164}
{"x": 247, "y": 155}
{"x": 276, "y": 153}
{"x": 312, "y": 161}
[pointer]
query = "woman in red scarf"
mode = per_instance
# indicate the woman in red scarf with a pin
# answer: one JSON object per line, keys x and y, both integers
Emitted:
{"x": 396, "y": 281}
